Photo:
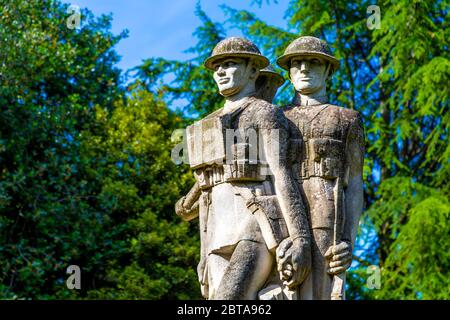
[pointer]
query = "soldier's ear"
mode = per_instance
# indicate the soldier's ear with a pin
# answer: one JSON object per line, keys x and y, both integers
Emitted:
{"x": 328, "y": 71}
{"x": 254, "y": 70}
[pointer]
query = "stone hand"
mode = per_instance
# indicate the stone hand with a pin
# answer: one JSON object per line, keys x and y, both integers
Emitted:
{"x": 283, "y": 263}
{"x": 179, "y": 209}
{"x": 339, "y": 257}
{"x": 186, "y": 212}
{"x": 294, "y": 261}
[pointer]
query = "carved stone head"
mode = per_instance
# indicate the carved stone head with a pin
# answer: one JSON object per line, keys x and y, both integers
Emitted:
{"x": 233, "y": 74}
{"x": 268, "y": 83}
{"x": 308, "y": 74}
{"x": 236, "y": 63}
{"x": 309, "y": 62}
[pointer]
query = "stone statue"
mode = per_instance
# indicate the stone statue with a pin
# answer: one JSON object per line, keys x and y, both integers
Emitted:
{"x": 268, "y": 83}
{"x": 245, "y": 196}
{"x": 327, "y": 142}
{"x": 266, "y": 87}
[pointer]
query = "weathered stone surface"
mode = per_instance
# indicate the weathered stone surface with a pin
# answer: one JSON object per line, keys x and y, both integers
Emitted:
{"x": 237, "y": 47}
{"x": 279, "y": 190}
{"x": 327, "y": 163}
{"x": 242, "y": 218}
{"x": 268, "y": 83}
{"x": 307, "y": 46}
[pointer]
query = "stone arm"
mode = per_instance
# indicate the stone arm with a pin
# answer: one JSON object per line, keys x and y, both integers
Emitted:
{"x": 188, "y": 206}
{"x": 275, "y": 143}
{"x": 188, "y": 209}
{"x": 340, "y": 255}
{"x": 353, "y": 188}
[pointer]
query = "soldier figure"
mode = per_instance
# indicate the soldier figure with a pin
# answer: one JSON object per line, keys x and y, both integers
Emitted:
{"x": 268, "y": 83}
{"x": 249, "y": 201}
{"x": 328, "y": 160}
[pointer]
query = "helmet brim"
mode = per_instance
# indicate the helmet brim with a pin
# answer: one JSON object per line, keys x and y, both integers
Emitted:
{"x": 260, "y": 59}
{"x": 284, "y": 60}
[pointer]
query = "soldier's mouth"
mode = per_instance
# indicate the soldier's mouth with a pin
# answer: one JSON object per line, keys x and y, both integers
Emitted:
{"x": 223, "y": 81}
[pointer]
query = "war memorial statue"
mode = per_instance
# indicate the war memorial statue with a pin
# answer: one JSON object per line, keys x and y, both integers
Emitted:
{"x": 278, "y": 191}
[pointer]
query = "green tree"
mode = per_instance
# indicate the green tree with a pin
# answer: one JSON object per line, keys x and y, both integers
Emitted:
{"x": 191, "y": 78}
{"x": 86, "y": 172}
{"x": 50, "y": 79}
{"x": 131, "y": 153}
{"x": 416, "y": 266}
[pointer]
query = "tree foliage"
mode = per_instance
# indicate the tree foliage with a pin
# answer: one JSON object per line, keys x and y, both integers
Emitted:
{"x": 86, "y": 176}
{"x": 130, "y": 153}
{"x": 417, "y": 264}
{"x": 190, "y": 78}
{"x": 50, "y": 79}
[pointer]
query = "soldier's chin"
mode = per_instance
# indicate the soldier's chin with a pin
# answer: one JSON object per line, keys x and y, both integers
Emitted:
{"x": 228, "y": 91}
{"x": 305, "y": 87}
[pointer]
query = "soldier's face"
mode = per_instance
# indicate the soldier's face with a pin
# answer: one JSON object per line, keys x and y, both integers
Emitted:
{"x": 232, "y": 75}
{"x": 267, "y": 87}
{"x": 308, "y": 74}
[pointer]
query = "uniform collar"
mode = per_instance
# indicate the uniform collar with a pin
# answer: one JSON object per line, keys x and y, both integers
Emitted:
{"x": 244, "y": 101}
{"x": 307, "y": 102}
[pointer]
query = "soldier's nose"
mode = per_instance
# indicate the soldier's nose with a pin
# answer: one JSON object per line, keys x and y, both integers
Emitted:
{"x": 304, "y": 66}
{"x": 221, "y": 71}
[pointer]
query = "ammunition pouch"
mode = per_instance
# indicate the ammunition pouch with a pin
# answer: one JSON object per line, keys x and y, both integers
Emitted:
{"x": 240, "y": 166}
{"x": 206, "y": 145}
{"x": 243, "y": 163}
{"x": 324, "y": 158}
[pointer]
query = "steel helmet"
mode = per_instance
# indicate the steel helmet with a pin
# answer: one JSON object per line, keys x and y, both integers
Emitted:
{"x": 307, "y": 46}
{"x": 236, "y": 47}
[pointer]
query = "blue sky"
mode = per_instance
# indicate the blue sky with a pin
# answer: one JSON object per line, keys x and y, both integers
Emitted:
{"x": 159, "y": 28}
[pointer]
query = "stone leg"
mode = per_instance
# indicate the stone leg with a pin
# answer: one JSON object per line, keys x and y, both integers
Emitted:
{"x": 320, "y": 197}
{"x": 248, "y": 269}
{"x": 217, "y": 265}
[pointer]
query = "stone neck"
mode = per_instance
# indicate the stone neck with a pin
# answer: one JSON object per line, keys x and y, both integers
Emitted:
{"x": 314, "y": 99}
{"x": 234, "y": 102}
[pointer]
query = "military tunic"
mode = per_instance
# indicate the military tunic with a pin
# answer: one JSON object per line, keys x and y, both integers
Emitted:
{"x": 320, "y": 157}
{"x": 227, "y": 183}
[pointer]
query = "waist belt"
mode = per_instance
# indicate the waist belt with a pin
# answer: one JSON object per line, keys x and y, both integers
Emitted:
{"x": 211, "y": 176}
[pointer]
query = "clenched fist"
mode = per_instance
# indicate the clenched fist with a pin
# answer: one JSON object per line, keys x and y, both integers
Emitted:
{"x": 339, "y": 258}
{"x": 294, "y": 260}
